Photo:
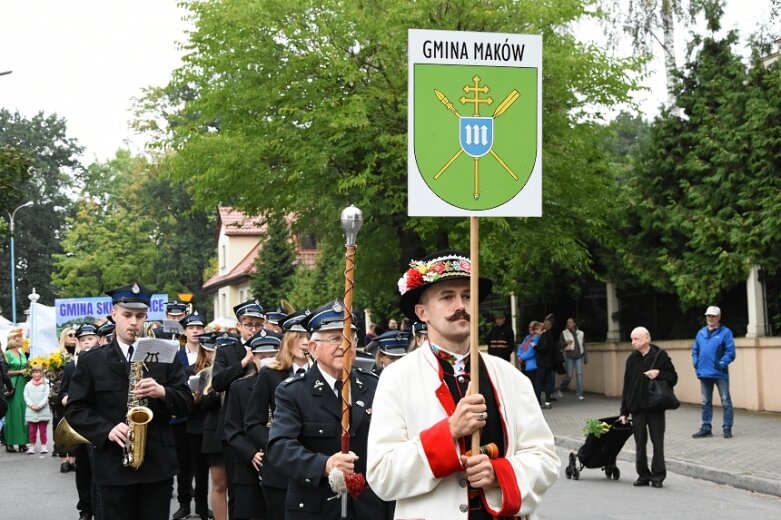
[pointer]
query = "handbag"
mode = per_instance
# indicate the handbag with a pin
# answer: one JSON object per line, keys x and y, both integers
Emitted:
{"x": 660, "y": 393}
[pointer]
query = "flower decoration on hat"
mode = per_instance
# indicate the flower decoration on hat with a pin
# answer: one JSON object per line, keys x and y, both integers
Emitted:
{"x": 424, "y": 272}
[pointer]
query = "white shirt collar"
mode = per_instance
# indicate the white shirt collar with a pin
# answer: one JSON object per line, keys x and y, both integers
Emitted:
{"x": 331, "y": 381}
{"x": 124, "y": 348}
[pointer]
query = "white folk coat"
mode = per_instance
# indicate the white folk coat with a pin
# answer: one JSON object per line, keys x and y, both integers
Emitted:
{"x": 412, "y": 458}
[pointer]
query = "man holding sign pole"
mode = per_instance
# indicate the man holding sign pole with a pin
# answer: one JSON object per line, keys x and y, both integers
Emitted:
{"x": 425, "y": 410}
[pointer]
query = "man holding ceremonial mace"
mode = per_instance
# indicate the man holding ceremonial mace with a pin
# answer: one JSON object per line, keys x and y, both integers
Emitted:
{"x": 321, "y": 423}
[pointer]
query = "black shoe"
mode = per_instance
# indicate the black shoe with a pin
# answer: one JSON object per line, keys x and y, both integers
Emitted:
{"x": 182, "y": 512}
{"x": 10, "y": 449}
{"x": 702, "y": 433}
{"x": 72, "y": 466}
{"x": 65, "y": 467}
{"x": 727, "y": 434}
{"x": 641, "y": 482}
{"x": 85, "y": 516}
{"x": 657, "y": 484}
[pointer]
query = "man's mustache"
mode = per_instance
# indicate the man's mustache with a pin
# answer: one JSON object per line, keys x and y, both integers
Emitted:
{"x": 459, "y": 315}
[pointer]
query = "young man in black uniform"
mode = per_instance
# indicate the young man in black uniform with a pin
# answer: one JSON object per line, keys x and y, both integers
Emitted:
{"x": 248, "y": 458}
{"x": 175, "y": 312}
{"x": 98, "y": 401}
{"x": 304, "y": 441}
{"x": 87, "y": 337}
{"x": 192, "y": 326}
{"x": 230, "y": 364}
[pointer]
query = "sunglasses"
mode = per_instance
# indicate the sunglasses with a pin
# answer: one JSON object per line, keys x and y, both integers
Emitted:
{"x": 71, "y": 335}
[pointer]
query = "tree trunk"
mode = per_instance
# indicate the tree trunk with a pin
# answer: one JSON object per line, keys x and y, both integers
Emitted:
{"x": 668, "y": 27}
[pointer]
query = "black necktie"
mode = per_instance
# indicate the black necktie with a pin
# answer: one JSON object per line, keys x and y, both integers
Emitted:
{"x": 130, "y": 353}
{"x": 300, "y": 371}
{"x": 338, "y": 387}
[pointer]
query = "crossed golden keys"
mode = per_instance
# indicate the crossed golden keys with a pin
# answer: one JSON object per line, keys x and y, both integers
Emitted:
{"x": 476, "y": 132}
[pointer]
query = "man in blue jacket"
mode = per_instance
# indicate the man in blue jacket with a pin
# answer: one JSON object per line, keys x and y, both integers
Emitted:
{"x": 712, "y": 352}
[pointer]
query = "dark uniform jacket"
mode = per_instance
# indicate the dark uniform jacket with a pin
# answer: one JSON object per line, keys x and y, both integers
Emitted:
{"x": 97, "y": 401}
{"x": 235, "y": 408}
{"x": 227, "y": 369}
{"x": 256, "y": 420}
{"x": 67, "y": 375}
{"x": 306, "y": 431}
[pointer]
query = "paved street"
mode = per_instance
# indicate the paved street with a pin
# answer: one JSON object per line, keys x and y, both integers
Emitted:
{"x": 32, "y": 487}
{"x": 595, "y": 498}
{"x": 750, "y": 460}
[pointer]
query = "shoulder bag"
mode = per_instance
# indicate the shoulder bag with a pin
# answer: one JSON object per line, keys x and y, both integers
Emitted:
{"x": 660, "y": 393}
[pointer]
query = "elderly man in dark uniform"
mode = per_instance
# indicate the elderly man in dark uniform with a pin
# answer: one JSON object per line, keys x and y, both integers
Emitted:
{"x": 304, "y": 441}
{"x": 98, "y": 400}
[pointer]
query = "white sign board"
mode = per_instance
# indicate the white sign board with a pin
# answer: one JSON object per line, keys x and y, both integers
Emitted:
{"x": 474, "y": 124}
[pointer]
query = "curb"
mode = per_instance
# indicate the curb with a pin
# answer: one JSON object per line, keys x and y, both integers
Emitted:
{"x": 682, "y": 467}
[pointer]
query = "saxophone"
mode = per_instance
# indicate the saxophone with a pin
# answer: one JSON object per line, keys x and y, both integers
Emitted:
{"x": 138, "y": 416}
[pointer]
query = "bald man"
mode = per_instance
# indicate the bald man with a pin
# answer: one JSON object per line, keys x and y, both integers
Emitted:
{"x": 647, "y": 362}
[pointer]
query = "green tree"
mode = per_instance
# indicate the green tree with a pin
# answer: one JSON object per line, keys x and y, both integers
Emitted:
{"x": 54, "y": 168}
{"x": 134, "y": 224}
{"x": 308, "y": 101}
{"x": 275, "y": 264}
{"x": 686, "y": 197}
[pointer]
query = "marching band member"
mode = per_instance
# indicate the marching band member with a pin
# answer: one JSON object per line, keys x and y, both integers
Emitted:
{"x": 98, "y": 398}
{"x": 192, "y": 326}
{"x": 249, "y": 459}
{"x": 304, "y": 441}
{"x": 213, "y": 448}
{"x": 195, "y": 422}
{"x": 292, "y": 360}
{"x": 391, "y": 346}
{"x": 88, "y": 504}
{"x": 230, "y": 363}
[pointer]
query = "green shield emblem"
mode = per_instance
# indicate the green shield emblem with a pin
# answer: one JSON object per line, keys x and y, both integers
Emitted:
{"x": 475, "y": 131}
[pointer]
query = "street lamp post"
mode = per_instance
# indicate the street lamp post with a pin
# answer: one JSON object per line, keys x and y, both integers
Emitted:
{"x": 13, "y": 260}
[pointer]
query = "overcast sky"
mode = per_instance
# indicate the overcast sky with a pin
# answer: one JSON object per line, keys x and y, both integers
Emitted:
{"x": 86, "y": 59}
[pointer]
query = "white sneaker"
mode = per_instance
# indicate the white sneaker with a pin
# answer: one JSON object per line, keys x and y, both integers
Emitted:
{"x": 31, "y": 451}
{"x": 44, "y": 450}
{"x": 580, "y": 398}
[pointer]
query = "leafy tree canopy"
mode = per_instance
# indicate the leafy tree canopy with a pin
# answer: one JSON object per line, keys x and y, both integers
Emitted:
{"x": 133, "y": 224}
{"x": 51, "y": 159}
{"x": 300, "y": 107}
{"x": 704, "y": 199}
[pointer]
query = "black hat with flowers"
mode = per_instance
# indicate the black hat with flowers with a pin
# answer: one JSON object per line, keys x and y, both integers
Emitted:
{"x": 441, "y": 266}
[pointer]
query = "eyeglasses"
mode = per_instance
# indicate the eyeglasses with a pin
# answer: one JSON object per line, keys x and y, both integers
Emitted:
{"x": 71, "y": 335}
{"x": 252, "y": 326}
{"x": 333, "y": 340}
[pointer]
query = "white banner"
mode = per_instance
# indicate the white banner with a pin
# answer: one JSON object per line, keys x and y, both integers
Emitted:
{"x": 43, "y": 330}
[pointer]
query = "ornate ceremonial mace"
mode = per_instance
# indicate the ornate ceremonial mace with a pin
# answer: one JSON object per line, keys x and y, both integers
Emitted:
{"x": 352, "y": 220}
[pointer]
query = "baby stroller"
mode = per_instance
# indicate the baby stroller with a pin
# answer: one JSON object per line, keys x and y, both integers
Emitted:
{"x": 601, "y": 452}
